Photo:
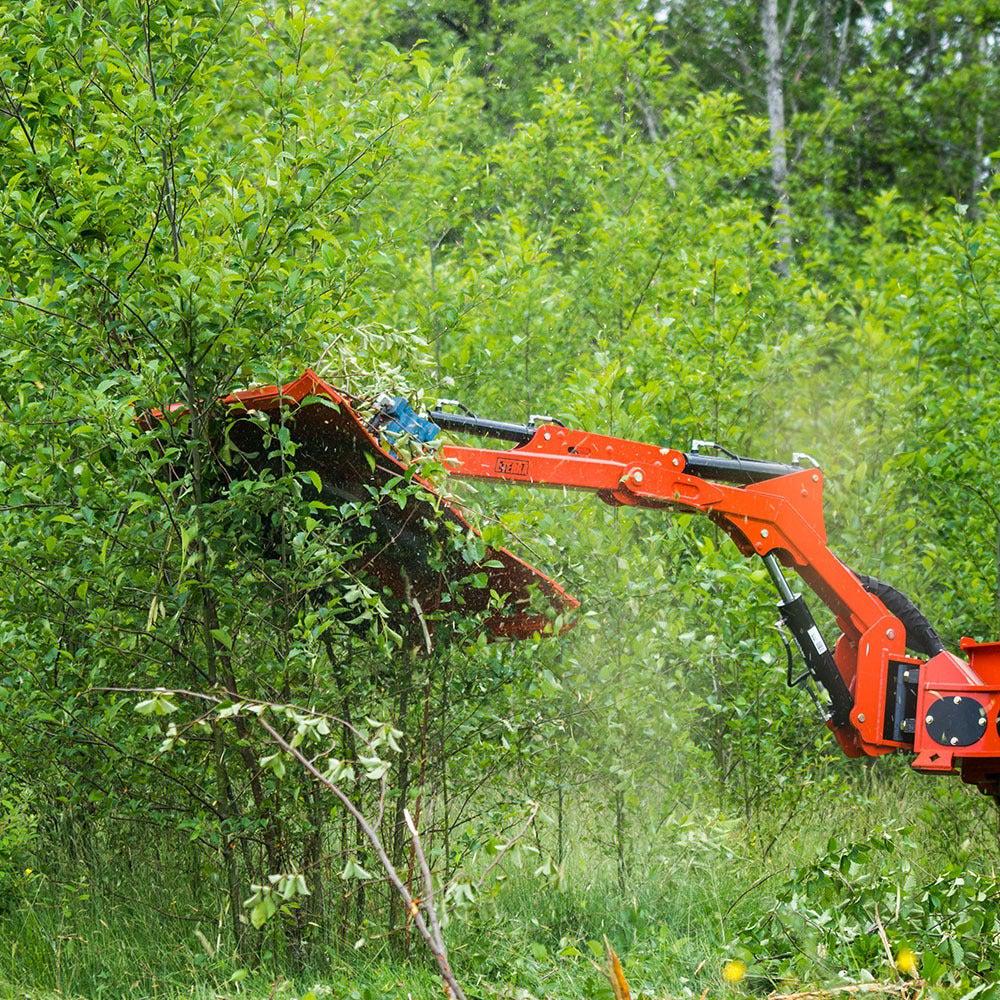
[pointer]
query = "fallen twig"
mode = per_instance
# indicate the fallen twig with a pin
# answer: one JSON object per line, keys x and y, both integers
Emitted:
{"x": 884, "y": 938}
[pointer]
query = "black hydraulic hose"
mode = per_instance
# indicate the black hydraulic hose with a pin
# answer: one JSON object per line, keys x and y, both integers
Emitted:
{"x": 463, "y": 423}
{"x": 921, "y": 636}
{"x": 742, "y": 471}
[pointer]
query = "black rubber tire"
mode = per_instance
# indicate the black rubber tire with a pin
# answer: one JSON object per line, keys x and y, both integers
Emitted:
{"x": 921, "y": 637}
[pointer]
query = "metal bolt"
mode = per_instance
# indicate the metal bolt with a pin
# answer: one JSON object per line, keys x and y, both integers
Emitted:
{"x": 906, "y": 675}
{"x": 763, "y": 532}
{"x": 861, "y": 717}
{"x": 805, "y": 493}
{"x": 638, "y": 476}
{"x": 890, "y": 633}
{"x": 954, "y": 741}
{"x": 929, "y": 720}
{"x": 957, "y": 700}
{"x": 547, "y": 436}
{"x": 676, "y": 461}
{"x": 982, "y": 720}
{"x": 815, "y": 477}
{"x": 665, "y": 451}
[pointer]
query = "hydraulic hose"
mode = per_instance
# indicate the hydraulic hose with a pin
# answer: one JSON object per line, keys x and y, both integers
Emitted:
{"x": 921, "y": 636}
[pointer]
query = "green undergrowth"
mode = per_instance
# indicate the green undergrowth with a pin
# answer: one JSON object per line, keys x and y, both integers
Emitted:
{"x": 818, "y": 910}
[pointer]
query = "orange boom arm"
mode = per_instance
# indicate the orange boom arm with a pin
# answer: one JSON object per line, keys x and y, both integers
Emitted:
{"x": 938, "y": 707}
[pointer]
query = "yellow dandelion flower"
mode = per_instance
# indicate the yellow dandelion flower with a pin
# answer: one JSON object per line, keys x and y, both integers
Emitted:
{"x": 906, "y": 962}
{"x": 734, "y": 970}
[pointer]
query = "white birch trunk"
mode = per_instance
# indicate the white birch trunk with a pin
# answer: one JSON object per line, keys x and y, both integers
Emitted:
{"x": 776, "y": 118}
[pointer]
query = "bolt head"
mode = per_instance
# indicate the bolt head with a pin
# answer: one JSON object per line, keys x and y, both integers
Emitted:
{"x": 547, "y": 436}
{"x": 890, "y": 633}
{"x": 954, "y": 741}
{"x": 764, "y": 532}
{"x": 815, "y": 477}
{"x": 638, "y": 475}
{"x": 676, "y": 462}
{"x": 906, "y": 675}
{"x": 861, "y": 717}
{"x": 929, "y": 720}
{"x": 957, "y": 700}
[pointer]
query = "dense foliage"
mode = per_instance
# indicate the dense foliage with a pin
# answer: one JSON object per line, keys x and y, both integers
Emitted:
{"x": 567, "y": 208}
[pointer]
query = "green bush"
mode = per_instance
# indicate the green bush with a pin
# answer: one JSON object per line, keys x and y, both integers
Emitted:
{"x": 17, "y": 836}
{"x": 840, "y": 917}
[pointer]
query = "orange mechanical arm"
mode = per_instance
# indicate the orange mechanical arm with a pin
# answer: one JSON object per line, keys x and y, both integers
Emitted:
{"x": 942, "y": 709}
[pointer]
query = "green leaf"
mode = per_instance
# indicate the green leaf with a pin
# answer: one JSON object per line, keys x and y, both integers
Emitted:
{"x": 375, "y": 769}
{"x": 263, "y": 911}
{"x": 157, "y": 705}
{"x": 222, "y": 636}
{"x": 275, "y": 763}
{"x": 352, "y": 870}
{"x": 423, "y": 67}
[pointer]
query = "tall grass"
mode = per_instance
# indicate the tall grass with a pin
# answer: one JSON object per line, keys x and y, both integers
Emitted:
{"x": 96, "y": 927}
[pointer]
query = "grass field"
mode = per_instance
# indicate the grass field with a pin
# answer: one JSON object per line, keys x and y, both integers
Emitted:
{"x": 691, "y": 905}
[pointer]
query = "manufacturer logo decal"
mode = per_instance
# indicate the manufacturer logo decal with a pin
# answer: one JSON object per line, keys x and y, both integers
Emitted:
{"x": 517, "y": 467}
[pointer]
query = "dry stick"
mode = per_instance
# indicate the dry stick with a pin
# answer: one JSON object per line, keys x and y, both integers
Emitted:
{"x": 415, "y": 604}
{"x": 428, "y": 882}
{"x": 502, "y": 853}
{"x": 432, "y": 938}
{"x": 883, "y": 937}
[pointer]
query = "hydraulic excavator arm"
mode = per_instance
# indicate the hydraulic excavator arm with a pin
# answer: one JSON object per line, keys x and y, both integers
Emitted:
{"x": 927, "y": 702}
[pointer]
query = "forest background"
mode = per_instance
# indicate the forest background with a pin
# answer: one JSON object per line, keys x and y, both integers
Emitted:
{"x": 770, "y": 226}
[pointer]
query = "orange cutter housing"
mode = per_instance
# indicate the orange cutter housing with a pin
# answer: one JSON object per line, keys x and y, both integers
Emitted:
{"x": 332, "y": 440}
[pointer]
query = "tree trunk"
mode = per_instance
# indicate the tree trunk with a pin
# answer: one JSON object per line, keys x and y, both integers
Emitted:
{"x": 620, "y": 839}
{"x": 226, "y": 806}
{"x": 979, "y": 139}
{"x": 418, "y": 804}
{"x": 400, "y": 836}
{"x": 776, "y": 118}
{"x": 828, "y": 76}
